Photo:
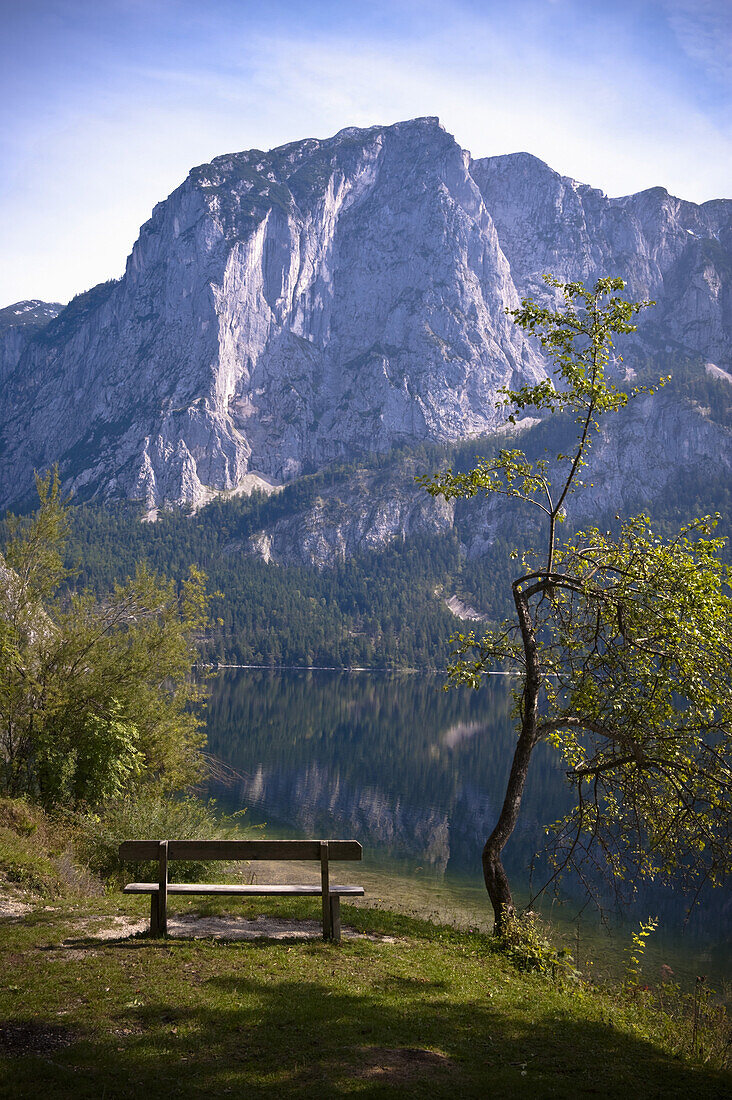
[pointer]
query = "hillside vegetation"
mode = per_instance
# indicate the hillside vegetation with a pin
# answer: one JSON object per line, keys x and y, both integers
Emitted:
{"x": 380, "y": 607}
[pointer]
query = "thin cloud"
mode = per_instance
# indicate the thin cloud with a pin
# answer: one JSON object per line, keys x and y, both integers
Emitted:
{"x": 88, "y": 151}
{"x": 703, "y": 29}
{"x": 603, "y": 137}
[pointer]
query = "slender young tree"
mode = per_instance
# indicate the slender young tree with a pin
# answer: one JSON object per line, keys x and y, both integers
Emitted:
{"x": 622, "y": 642}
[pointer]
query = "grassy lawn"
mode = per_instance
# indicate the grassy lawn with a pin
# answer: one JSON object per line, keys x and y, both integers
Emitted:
{"x": 406, "y": 1009}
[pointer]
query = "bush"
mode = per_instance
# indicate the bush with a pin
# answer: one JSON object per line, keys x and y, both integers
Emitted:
{"x": 149, "y": 814}
{"x": 526, "y": 942}
{"x": 18, "y": 816}
{"x": 36, "y": 852}
{"x": 96, "y": 693}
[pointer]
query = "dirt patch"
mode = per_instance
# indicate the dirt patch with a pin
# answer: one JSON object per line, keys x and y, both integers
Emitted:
{"x": 271, "y": 928}
{"x": 20, "y": 1039}
{"x": 192, "y": 926}
{"x": 77, "y": 953}
{"x": 12, "y": 905}
{"x": 114, "y": 928}
{"x": 401, "y": 1064}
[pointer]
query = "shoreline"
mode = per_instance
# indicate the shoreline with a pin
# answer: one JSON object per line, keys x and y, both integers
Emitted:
{"x": 341, "y": 668}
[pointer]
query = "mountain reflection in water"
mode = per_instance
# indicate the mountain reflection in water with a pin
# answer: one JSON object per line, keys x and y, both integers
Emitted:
{"x": 411, "y": 771}
{"x": 415, "y": 773}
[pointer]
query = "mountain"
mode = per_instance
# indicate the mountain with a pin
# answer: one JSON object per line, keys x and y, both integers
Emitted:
{"x": 675, "y": 252}
{"x": 332, "y": 299}
{"x": 18, "y": 324}
{"x": 32, "y": 314}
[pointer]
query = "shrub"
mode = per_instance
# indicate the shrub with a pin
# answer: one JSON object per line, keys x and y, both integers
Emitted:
{"x": 36, "y": 852}
{"x": 526, "y": 942}
{"x": 96, "y": 693}
{"x": 147, "y": 814}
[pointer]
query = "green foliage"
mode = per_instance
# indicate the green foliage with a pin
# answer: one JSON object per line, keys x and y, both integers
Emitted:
{"x": 148, "y": 813}
{"x": 96, "y": 693}
{"x": 35, "y": 552}
{"x": 36, "y": 853}
{"x": 700, "y": 1017}
{"x": 527, "y": 943}
{"x": 636, "y": 651}
{"x": 622, "y": 641}
{"x": 380, "y": 608}
{"x": 636, "y": 951}
{"x": 22, "y": 864}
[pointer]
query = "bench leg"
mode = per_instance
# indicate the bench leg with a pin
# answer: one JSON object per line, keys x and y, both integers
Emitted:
{"x": 335, "y": 918}
{"x": 327, "y": 911}
{"x": 325, "y": 891}
{"x": 163, "y": 913}
{"x": 163, "y": 888}
{"x": 154, "y": 916}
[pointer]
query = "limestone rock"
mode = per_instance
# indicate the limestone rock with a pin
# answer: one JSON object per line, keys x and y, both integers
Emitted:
{"x": 330, "y": 299}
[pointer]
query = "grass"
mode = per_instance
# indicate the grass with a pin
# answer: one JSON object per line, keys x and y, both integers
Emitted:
{"x": 37, "y": 856}
{"x": 426, "y": 1011}
{"x": 408, "y": 1008}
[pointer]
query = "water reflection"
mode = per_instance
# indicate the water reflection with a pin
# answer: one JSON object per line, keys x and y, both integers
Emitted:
{"x": 411, "y": 771}
{"x": 415, "y": 773}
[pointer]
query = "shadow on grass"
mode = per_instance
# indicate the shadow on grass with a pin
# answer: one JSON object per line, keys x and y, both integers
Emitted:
{"x": 248, "y": 1032}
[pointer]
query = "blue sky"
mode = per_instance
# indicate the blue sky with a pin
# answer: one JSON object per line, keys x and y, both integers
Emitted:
{"x": 108, "y": 104}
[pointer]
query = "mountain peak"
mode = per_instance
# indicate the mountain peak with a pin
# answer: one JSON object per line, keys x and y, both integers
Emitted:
{"x": 327, "y": 299}
{"x": 30, "y": 313}
{"x": 422, "y": 123}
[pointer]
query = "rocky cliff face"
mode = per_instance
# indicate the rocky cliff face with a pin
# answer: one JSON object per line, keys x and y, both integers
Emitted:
{"x": 278, "y": 310}
{"x": 637, "y": 459}
{"x": 19, "y": 323}
{"x": 366, "y": 513}
{"x": 674, "y": 252}
{"x": 333, "y": 298}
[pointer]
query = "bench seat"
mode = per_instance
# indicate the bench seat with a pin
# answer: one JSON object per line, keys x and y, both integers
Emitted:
{"x": 305, "y": 890}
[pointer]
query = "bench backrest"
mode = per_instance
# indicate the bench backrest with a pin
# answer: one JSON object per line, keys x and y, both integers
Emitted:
{"x": 242, "y": 849}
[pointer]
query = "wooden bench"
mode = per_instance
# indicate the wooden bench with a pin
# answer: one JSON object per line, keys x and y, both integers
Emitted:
{"x": 164, "y": 851}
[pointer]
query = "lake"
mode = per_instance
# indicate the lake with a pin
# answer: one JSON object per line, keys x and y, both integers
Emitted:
{"x": 417, "y": 775}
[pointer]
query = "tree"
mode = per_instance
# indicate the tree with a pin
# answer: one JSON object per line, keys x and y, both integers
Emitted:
{"x": 622, "y": 641}
{"x": 95, "y": 694}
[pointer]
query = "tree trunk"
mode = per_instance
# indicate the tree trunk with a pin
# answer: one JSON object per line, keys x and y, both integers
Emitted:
{"x": 496, "y": 879}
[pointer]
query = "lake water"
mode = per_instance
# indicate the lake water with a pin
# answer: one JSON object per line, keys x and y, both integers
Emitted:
{"x": 417, "y": 775}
